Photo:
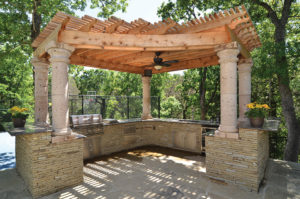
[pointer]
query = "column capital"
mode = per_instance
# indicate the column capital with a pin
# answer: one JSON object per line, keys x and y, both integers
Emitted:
{"x": 228, "y": 52}
{"x": 231, "y": 45}
{"x": 248, "y": 61}
{"x": 40, "y": 64}
{"x": 59, "y": 52}
{"x": 244, "y": 65}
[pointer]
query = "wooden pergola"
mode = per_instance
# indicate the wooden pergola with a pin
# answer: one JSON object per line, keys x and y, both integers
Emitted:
{"x": 224, "y": 38}
{"x": 115, "y": 44}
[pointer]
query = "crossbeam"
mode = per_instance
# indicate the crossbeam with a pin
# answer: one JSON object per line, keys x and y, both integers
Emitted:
{"x": 143, "y": 42}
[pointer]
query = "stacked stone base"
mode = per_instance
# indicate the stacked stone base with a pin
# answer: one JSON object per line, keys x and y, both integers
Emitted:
{"x": 48, "y": 167}
{"x": 240, "y": 161}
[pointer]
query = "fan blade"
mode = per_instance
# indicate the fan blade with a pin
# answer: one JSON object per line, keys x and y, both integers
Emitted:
{"x": 157, "y": 60}
{"x": 165, "y": 64}
{"x": 171, "y": 61}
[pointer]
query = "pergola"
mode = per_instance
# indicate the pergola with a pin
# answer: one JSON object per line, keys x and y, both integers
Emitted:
{"x": 224, "y": 38}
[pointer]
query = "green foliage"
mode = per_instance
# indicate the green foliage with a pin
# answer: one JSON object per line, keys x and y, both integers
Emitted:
{"x": 16, "y": 29}
{"x": 277, "y": 58}
{"x": 171, "y": 108}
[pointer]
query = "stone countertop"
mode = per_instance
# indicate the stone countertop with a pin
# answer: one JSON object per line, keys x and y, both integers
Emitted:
{"x": 204, "y": 123}
{"x": 269, "y": 125}
{"x": 28, "y": 129}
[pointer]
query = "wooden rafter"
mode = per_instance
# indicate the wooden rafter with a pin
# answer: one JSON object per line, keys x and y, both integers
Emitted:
{"x": 130, "y": 47}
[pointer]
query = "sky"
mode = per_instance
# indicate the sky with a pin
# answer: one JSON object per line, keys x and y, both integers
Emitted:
{"x": 145, "y": 9}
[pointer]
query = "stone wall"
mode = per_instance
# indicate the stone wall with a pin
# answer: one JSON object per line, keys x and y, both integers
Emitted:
{"x": 48, "y": 167}
{"x": 240, "y": 161}
{"x": 124, "y": 136}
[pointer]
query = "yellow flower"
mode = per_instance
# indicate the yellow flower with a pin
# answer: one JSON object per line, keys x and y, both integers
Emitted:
{"x": 254, "y": 105}
{"x": 24, "y": 109}
{"x": 266, "y": 106}
{"x": 251, "y": 105}
{"x": 17, "y": 109}
{"x": 258, "y": 106}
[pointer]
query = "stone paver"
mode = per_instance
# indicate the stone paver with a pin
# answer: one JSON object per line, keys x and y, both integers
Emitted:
{"x": 159, "y": 173}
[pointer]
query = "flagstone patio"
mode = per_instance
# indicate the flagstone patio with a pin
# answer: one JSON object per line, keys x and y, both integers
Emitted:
{"x": 156, "y": 172}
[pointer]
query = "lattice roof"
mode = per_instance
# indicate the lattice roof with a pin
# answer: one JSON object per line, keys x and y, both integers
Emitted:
{"x": 118, "y": 45}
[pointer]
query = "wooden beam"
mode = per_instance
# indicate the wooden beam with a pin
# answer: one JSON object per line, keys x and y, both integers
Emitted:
{"x": 196, "y": 63}
{"x": 116, "y": 54}
{"x": 206, "y": 25}
{"x": 162, "y": 28}
{"x": 148, "y": 56}
{"x": 88, "y": 26}
{"x": 142, "y": 42}
{"x": 83, "y": 61}
{"x": 234, "y": 37}
{"x": 40, "y": 51}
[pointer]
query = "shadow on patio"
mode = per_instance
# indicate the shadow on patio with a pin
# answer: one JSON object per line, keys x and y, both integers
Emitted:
{"x": 147, "y": 172}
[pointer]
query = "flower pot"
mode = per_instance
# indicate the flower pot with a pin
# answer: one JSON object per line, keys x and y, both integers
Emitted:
{"x": 257, "y": 122}
{"x": 19, "y": 122}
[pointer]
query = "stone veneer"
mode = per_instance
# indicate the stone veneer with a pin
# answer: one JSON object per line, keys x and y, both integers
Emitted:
{"x": 48, "y": 167}
{"x": 240, "y": 161}
{"x": 123, "y": 136}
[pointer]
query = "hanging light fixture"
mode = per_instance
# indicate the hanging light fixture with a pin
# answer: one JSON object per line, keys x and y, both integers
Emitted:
{"x": 158, "y": 67}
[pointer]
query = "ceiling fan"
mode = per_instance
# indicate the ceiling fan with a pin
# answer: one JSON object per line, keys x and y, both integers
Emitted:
{"x": 159, "y": 63}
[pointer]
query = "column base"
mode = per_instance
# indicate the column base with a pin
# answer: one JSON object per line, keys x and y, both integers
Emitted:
{"x": 147, "y": 117}
{"x": 243, "y": 122}
{"x": 62, "y": 138}
{"x": 41, "y": 124}
{"x": 62, "y": 132}
{"x": 232, "y": 135}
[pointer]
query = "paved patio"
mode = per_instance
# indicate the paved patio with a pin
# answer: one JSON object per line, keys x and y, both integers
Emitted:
{"x": 159, "y": 173}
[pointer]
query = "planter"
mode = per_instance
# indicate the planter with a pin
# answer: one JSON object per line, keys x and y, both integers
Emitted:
{"x": 19, "y": 122}
{"x": 257, "y": 122}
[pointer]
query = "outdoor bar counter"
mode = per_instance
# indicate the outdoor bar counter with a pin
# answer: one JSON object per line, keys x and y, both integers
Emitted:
{"x": 118, "y": 135}
{"x": 48, "y": 166}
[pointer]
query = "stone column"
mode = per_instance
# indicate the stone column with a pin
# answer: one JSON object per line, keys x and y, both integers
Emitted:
{"x": 59, "y": 59}
{"x": 228, "y": 71}
{"x": 40, "y": 91}
{"x": 146, "y": 98}
{"x": 244, "y": 69}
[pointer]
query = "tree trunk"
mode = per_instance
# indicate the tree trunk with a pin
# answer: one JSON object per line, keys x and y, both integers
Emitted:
{"x": 287, "y": 103}
{"x": 35, "y": 28}
{"x": 272, "y": 102}
{"x": 184, "y": 113}
{"x": 36, "y": 20}
{"x": 202, "y": 91}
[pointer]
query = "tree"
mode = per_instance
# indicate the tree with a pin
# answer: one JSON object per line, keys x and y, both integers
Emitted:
{"x": 276, "y": 12}
{"x": 20, "y": 23}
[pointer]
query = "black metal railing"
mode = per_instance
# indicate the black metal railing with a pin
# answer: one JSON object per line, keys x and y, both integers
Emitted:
{"x": 277, "y": 145}
{"x": 117, "y": 107}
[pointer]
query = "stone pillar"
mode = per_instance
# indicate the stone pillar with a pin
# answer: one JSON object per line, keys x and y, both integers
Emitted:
{"x": 40, "y": 91}
{"x": 244, "y": 69}
{"x": 228, "y": 71}
{"x": 59, "y": 59}
{"x": 146, "y": 98}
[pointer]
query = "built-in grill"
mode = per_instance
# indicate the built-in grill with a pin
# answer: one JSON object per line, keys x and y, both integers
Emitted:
{"x": 90, "y": 126}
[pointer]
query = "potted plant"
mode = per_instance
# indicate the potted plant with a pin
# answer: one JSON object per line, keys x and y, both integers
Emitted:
{"x": 256, "y": 114}
{"x": 19, "y": 116}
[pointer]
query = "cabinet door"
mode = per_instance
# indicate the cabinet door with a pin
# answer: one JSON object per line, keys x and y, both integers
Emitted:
{"x": 191, "y": 141}
{"x": 179, "y": 139}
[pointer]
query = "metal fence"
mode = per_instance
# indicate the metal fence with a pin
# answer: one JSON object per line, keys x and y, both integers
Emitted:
{"x": 277, "y": 145}
{"x": 127, "y": 107}
{"x": 117, "y": 107}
